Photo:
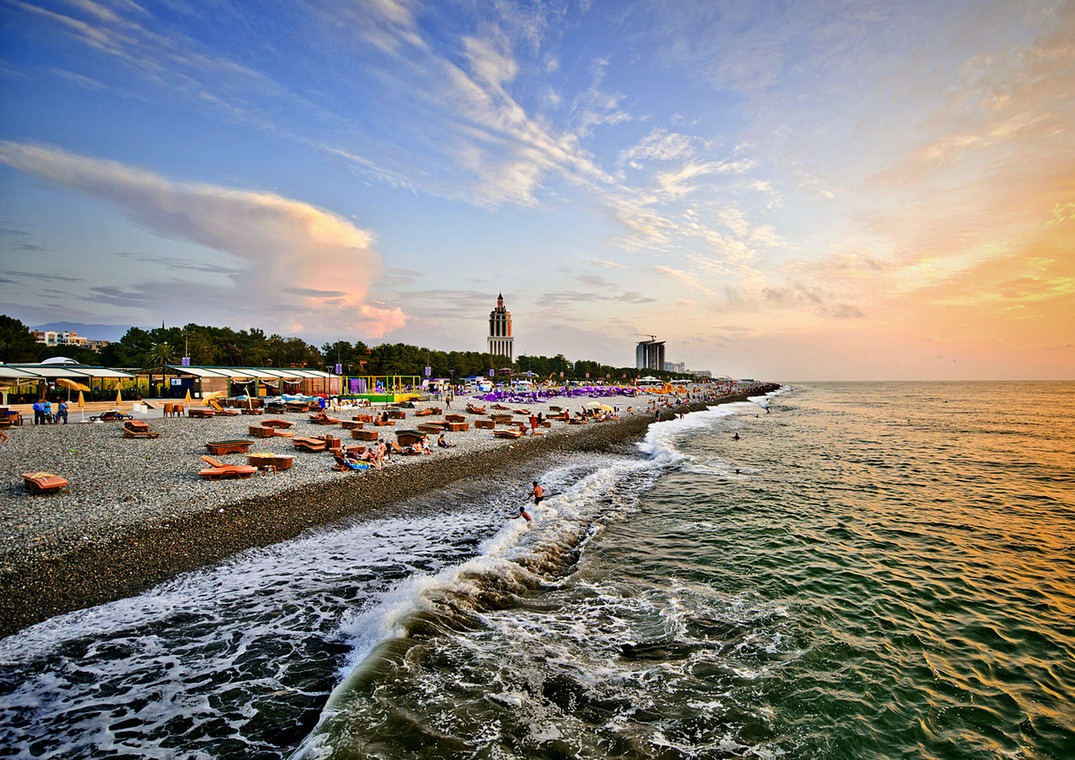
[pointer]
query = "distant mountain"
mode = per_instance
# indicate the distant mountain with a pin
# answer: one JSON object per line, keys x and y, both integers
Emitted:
{"x": 93, "y": 332}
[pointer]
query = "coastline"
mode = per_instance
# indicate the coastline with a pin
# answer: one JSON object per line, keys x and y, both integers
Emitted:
{"x": 68, "y": 572}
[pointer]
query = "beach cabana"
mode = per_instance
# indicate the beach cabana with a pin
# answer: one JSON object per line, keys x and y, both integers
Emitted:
{"x": 39, "y": 374}
{"x": 260, "y": 381}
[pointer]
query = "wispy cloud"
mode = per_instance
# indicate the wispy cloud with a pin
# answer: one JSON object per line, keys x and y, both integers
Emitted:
{"x": 281, "y": 244}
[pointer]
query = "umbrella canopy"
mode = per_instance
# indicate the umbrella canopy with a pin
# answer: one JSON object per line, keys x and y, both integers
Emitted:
{"x": 594, "y": 403}
{"x": 606, "y": 408}
{"x": 63, "y": 382}
{"x": 119, "y": 397}
{"x": 81, "y": 401}
{"x": 188, "y": 396}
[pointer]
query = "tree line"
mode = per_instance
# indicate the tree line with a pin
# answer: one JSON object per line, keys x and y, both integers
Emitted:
{"x": 151, "y": 350}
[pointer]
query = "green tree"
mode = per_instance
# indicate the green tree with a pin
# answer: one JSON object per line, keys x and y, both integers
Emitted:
{"x": 160, "y": 355}
{"x": 17, "y": 344}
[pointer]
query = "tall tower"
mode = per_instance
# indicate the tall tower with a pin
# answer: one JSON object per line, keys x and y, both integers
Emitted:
{"x": 500, "y": 330}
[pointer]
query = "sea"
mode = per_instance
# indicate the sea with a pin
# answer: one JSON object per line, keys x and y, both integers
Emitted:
{"x": 839, "y": 570}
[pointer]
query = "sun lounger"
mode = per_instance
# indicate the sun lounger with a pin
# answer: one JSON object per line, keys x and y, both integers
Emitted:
{"x": 397, "y": 414}
{"x": 475, "y": 409}
{"x": 364, "y": 435}
{"x": 351, "y": 424}
{"x": 323, "y": 419}
{"x": 112, "y": 415}
{"x": 309, "y": 444}
{"x": 459, "y": 427}
{"x": 266, "y": 461}
{"x": 427, "y": 412}
{"x": 409, "y": 437}
{"x": 486, "y": 424}
{"x": 274, "y": 423}
{"x": 227, "y": 447}
{"x": 508, "y": 433}
{"x": 433, "y": 427}
{"x": 43, "y": 482}
{"x": 252, "y": 410}
{"x": 138, "y": 429}
{"x": 219, "y": 471}
{"x": 200, "y": 413}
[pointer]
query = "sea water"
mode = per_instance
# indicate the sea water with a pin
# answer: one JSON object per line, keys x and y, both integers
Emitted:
{"x": 869, "y": 571}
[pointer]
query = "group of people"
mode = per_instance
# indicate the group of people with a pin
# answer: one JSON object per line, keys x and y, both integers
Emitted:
{"x": 43, "y": 414}
{"x": 380, "y": 452}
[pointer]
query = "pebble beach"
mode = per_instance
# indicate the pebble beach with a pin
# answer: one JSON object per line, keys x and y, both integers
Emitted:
{"x": 136, "y": 511}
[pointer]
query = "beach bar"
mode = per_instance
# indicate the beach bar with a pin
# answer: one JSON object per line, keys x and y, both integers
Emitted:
{"x": 255, "y": 381}
{"x": 23, "y": 379}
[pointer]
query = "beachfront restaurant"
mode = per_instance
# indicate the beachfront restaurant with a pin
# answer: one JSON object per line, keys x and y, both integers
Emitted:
{"x": 25, "y": 383}
{"x": 250, "y": 381}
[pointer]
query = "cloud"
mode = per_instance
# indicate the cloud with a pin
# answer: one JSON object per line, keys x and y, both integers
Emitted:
{"x": 634, "y": 298}
{"x": 608, "y": 264}
{"x": 686, "y": 279}
{"x": 659, "y": 145}
{"x": 281, "y": 244}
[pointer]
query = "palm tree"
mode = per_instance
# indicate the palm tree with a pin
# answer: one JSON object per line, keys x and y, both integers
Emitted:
{"x": 157, "y": 357}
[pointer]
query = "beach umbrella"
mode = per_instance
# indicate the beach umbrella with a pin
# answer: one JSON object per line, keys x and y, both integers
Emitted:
{"x": 82, "y": 406}
{"x": 594, "y": 403}
{"x": 188, "y": 396}
{"x": 119, "y": 397}
{"x": 71, "y": 385}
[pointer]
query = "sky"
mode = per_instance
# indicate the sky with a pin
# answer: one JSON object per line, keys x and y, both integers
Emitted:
{"x": 822, "y": 190}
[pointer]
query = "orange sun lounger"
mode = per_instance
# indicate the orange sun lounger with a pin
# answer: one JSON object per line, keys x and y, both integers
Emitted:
{"x": 219, "y": 471}
{"x": 43, "y": 482}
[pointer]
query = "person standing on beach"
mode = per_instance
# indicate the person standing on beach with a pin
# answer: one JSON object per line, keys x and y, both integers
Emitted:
{"x": 39, "y": 412}
{"x": 61, "y": 412}
{"x": 533, "y": 424}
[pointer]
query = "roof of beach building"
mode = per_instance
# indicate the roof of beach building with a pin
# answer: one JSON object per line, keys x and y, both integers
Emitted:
{"x": 52, "y": 370}
{"x": 246, "y": 373}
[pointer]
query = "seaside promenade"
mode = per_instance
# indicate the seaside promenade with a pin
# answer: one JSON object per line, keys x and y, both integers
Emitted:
{"x": 136, "y": 513}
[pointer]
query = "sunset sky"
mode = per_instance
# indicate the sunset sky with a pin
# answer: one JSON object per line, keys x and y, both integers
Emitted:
{"x": 783, "y": 190}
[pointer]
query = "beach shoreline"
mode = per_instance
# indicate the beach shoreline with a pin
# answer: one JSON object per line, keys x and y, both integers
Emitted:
{"x": 112, "y": 556}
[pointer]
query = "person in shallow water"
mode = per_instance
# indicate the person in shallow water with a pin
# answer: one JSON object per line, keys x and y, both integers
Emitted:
{"x": 735, "y": 437}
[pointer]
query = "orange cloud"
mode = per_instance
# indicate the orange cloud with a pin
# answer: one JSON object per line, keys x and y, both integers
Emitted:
{"x": 298, "y": 258}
